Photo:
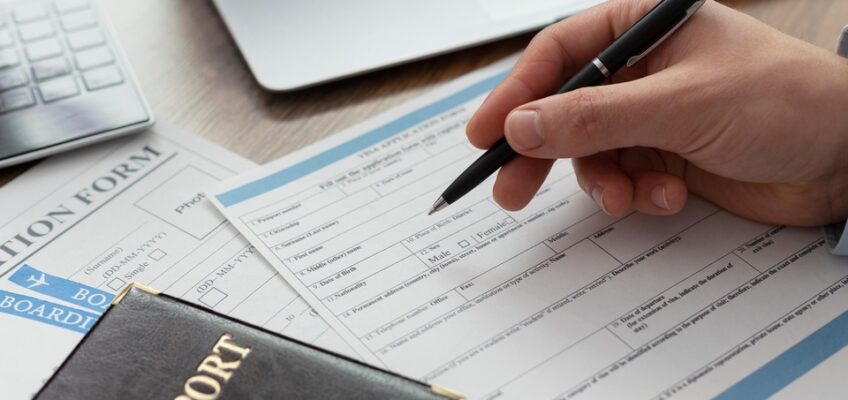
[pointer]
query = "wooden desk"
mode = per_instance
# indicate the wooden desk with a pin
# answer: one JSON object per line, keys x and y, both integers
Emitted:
{"x": 193, "y": 75}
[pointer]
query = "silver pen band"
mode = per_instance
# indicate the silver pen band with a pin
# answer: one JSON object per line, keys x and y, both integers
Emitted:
{"x": 601, "y": 67}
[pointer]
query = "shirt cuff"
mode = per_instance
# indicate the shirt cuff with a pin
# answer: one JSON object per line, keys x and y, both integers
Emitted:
{"x": 842, "y": 45}
{"x": 834, "y": 235}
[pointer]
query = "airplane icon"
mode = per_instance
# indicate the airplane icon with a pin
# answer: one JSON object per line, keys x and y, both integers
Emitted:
{"x": 36, "y": 282}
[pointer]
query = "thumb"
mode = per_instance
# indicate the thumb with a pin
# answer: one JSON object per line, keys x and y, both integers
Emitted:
{"x": 644, "y": 112}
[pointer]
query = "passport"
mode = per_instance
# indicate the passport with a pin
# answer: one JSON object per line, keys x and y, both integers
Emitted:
{"x": 149, "y": 345}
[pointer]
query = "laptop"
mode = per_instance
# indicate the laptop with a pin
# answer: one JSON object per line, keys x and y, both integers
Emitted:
{"x": 64, "y": 81}
{"x": 294, "y": 44}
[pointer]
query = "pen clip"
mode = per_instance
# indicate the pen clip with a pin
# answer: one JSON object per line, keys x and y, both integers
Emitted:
{"x": 689, "y": 12}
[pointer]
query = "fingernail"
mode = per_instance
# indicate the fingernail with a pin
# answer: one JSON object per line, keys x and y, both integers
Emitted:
{"x": 598, "y": 196}
{"x": 525, "y": 129}
{"x": 486, "y": 100}
{"x": 660, "y": 197}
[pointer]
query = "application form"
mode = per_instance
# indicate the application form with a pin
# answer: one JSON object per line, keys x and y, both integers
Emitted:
{"x": 76, "y": 228}
{"x": 555, "y": 301}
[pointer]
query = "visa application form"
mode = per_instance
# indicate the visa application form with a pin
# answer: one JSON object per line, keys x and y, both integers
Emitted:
{"x": 76, "y": 228}
{"x": 558, "y": 300}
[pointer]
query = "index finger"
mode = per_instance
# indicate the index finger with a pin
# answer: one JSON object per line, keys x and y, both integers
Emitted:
{"x": 554, "y": 54}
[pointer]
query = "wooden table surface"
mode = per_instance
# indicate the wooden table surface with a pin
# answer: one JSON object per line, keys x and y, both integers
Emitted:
{"x": 194, "y": 77}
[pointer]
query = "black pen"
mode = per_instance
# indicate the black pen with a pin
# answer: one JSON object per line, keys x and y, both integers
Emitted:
{"x": 646, "y": 34}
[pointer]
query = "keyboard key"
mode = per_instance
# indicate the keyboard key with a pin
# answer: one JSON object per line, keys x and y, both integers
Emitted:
{"x": 95, "y": 57}
{"x": 78, "y": 20}
{"x": 6, "y": 38}
{"x": 85, "y": 39}
{"x": 51, "y": 68}
{"x": 16, "y": 99}
{"x": 43, "y": 49}
{"x": 57, "y": 89}
{"x": 30, "y": 12}
{"x": 102, "y": 77}
{"x": 12, "y": 78}
{"x": 36, "y": 30}
{"x": 63, "y": 6}
{"x": 9, "y": 58}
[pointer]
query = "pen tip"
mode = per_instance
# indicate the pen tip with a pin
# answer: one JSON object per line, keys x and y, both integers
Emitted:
{"x": 438, "y": 205}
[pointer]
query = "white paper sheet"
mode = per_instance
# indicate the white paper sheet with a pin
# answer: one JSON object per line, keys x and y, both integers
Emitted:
{"x": 76, "y": 228}
{"x": 555, "y": 301}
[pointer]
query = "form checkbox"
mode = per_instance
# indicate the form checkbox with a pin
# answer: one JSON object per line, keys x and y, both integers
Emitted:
{"x": 116, "y": 284}
{"x": 212, "y": 298}
{"x": 157, "y": 254}
{"x": 463, "y": 243}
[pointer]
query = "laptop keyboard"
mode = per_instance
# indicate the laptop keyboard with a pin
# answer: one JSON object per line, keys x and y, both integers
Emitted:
{"x": 51, "y": 51}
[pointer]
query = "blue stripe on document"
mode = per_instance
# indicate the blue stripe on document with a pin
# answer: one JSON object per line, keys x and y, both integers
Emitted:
{"x": 362, "y": 142}
{"x": 789, "y": 366}
{"x": 62, "y": 289}
{"x": 46, "y": 312}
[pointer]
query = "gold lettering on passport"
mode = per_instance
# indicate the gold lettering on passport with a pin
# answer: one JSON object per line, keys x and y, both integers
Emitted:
{"x": 215, "y": 370}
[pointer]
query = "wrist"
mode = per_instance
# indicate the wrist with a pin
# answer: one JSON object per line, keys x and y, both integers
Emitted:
{"x": 836, "y": 73}
{"x": 838, "y": 185}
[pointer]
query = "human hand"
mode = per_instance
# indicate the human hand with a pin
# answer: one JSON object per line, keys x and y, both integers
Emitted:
{"x": 728, "y": 108}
